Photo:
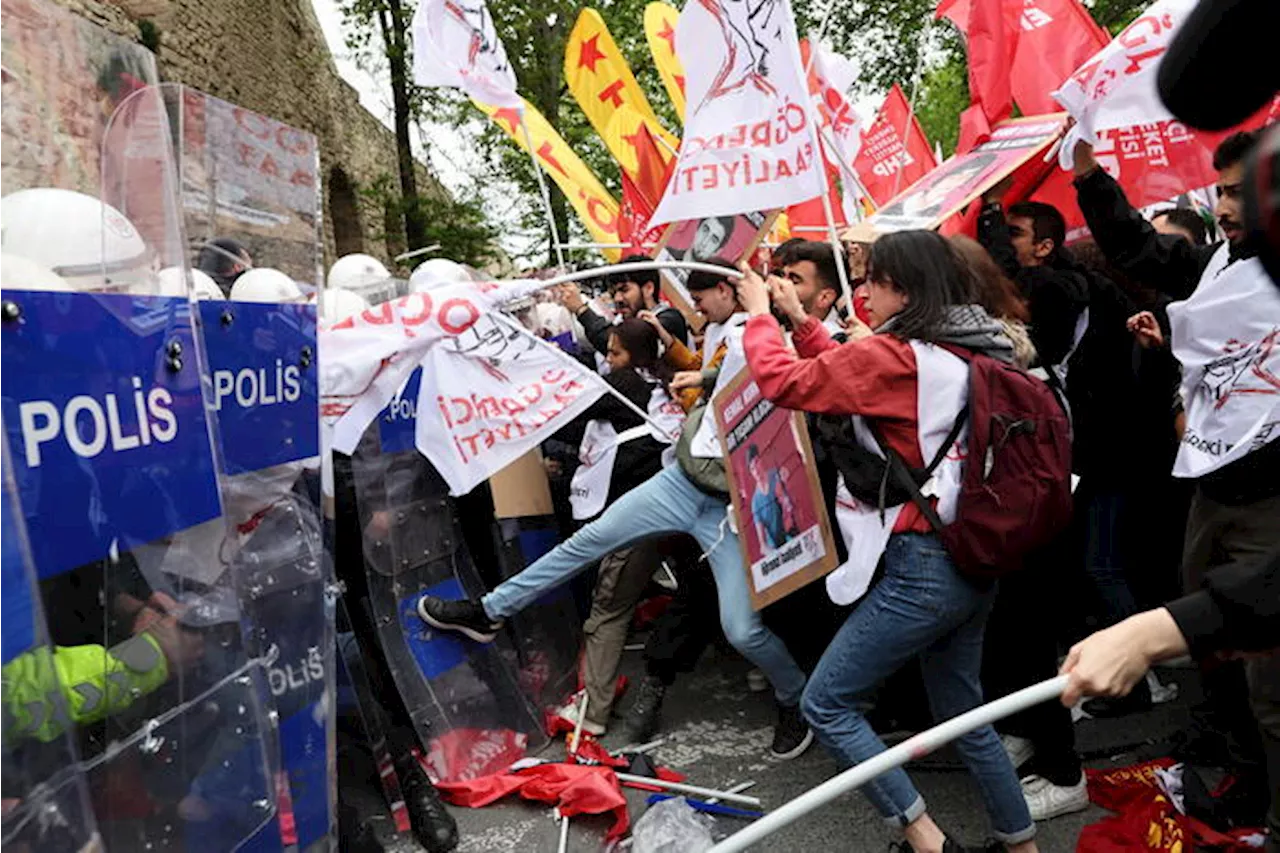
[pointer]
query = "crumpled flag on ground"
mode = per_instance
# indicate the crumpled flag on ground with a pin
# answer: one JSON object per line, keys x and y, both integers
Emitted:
{"x": 575, "y": 789}
{"x": 1145, "y": 818}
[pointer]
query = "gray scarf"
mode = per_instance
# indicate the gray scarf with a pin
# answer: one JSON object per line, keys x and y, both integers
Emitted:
{"x": 971, "y": 327}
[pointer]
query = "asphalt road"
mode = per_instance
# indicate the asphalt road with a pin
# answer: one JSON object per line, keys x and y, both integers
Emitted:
{"x": 718, "y": 732}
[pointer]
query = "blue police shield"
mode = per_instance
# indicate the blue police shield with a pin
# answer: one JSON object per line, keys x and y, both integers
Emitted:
{"x": 47, "y": 801}
{"x": 106, "y": 415}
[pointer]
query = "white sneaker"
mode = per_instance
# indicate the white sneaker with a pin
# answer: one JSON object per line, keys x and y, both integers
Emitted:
{"x": 756, "y": 681}
{"x": 1019, "y": 749}
{"x": 1046, "y": 800}
{"x": 569, "y": 711}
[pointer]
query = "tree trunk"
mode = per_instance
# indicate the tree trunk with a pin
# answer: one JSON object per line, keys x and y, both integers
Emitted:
{"x": 391, "y": 20}
{"x": 547, "y": 100}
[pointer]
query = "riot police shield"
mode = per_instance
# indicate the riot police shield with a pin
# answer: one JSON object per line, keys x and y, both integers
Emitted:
{"x": 250, "y": 181}
{"x": 113, "y": 451}
{"x": 46, "y": 800}
{"x": 475, "y": 707}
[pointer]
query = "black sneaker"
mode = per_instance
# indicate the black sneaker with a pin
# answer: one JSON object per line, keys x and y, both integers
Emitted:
{"x": 433, "y": 826}
{"x": 1137, "y": 702}
{"x": 792, "y": 735}
{"x": 641, "y": 720}
{"x": 466, "y": 617}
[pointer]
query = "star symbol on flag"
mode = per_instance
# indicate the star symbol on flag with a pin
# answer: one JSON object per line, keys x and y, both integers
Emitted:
{"x": 544, "y": 154}
{"x": 668, "y": 34}
{"x": 634, "y": 139}
{"x": 510, "y": 116}
{"x": 590, "y": 54}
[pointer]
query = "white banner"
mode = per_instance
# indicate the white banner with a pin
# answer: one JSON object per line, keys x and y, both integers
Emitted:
{"x": 489, "y": 392}
{"x": 455, "y": 44}
{"x": 834, "y": 76}
{"x": 1117, "y": 87}
{"x": 1227, "y": 339}
{"x": 748, "y": 142}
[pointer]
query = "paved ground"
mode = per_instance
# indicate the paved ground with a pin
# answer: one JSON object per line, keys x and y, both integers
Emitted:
{"x": 718, "y": 734}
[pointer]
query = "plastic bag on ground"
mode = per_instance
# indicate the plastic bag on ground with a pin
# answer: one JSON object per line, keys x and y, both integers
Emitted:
{"x": 672, "y": 826}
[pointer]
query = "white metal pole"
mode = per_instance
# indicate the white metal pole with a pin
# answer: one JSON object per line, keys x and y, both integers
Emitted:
{"x": 689, "y": 789}
{"x": 542, "y": 187}
{"x": 916, "y": 747}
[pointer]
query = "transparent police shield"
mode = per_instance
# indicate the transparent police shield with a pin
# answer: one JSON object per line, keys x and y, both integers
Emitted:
{"x": 46, "y": 801}
{"x": 475, "y": 707}
{"x": 251, "y": 179}
{"x": 105, "y": 411}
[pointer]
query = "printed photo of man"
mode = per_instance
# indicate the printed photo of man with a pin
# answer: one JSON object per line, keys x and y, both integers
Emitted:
{"x": 772, "y": 509}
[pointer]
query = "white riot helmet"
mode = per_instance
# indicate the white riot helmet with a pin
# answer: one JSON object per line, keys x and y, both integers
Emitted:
{"x": 19, "y": 273}
{"x": 86, "y": 242}
{"x": 263, "y": 284}
{"x": 339, "y": 304}
{"x": 357, "y": 272}
{"x": 172, "y": 283}
{"x": 436, "y": 273}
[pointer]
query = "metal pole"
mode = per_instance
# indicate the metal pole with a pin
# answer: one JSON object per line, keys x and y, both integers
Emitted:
{"x": 689, "y": 789}
{"x": 913, "y": 748}
{"x": 911, "y": 105}
{"x": 542, "y": 187}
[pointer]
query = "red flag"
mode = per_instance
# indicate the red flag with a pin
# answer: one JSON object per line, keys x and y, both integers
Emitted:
{"x": 575, "y": 789}
{"x": 886, "y": 165}
{"x": 640, "y": 197}
{"x": 1019, "y": 50}
{"x": 808, "y": 219}
{"x": 1055, "y": 37}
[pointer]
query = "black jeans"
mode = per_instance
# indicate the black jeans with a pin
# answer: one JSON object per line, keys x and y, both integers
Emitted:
{"x": 681, "y": 634}
{"x": 1020, "y": 650}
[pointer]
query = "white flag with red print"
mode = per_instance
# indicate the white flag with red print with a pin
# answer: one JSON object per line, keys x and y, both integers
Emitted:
{"x": 455, "y": 44}
{"x": 748, "y": 142}
{"x": 830, "y": 77}
{"x": 489, "y": 390}
{"x": 1117, "y": 87}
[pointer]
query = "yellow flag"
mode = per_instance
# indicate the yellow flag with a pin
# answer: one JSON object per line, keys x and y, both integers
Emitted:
{"x": 591, "y": 201}
{"x": 602, "y": 82}
{"x": 660, "y": 32}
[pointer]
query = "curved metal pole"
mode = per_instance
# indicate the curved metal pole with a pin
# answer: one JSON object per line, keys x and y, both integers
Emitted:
{"x": 916, "y": 747}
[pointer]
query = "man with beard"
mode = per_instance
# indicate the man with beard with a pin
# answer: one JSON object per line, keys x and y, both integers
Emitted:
{"x": 633, "y": 292}
{"x": 1231, "y": 307}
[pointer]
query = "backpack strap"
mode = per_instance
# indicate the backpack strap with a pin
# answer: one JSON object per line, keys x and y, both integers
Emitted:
{"x": 903, "y": 474}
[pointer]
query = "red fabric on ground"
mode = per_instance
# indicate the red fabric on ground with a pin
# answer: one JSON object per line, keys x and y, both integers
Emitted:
{"x": 575, "y": 789}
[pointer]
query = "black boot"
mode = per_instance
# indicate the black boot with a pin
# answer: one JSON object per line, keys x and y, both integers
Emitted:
{"x": 644, "y": 715}
{"x": 433, "y": 826}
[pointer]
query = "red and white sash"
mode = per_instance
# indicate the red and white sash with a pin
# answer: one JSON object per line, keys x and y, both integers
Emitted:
{"x": 943, "y": 391}
{"x": 1227, "y": 338}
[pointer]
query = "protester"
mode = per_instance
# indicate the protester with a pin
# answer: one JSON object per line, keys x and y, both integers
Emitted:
{"x": 1000, "y": 297}
{"x": 1230, "y": 300}
{"x": 620, "y": 452}
{"x": 633, "y": 292}
{"x": 689, "y": 497}
{"x": 920, "y": 293}
{"x": 224, "y": 260}
{"x": 1181, "y": 222}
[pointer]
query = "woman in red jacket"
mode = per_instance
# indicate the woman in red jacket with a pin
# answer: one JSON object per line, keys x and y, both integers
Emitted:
{"x": 899, "y": 384}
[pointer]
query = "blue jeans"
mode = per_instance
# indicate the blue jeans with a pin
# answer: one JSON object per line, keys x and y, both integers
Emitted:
{"x": 666, "y": 503}
{"x": 921, "y": 606}
{"x": 1107, "y": 517}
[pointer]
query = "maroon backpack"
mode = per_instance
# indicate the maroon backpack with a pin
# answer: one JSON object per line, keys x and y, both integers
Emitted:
{"x": 1015, "y": 489}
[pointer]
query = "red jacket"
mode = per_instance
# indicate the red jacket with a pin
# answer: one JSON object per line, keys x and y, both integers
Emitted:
{"x": 874, "y": 377}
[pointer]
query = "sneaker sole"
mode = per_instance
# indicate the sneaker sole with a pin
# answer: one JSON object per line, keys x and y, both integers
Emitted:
{"x": 1062, "y": 809}
{"x": 478, "y": 636}
{"x": 804, "y": 744}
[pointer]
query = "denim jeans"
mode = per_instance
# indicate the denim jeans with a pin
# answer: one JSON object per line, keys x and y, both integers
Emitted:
{"x": 666, "y": 503}
{"x": 921, "y": 606}
{"x": 1107, "y": 519}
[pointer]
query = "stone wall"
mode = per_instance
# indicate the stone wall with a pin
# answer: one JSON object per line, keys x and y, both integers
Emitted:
{"x": 271, "y": 57}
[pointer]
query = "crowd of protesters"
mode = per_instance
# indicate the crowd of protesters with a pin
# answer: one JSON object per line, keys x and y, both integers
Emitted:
{"x": 886, "y": 385}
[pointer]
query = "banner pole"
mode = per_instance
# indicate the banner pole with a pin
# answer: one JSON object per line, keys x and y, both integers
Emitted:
{"x": 910, "y": 749}
{"x": 542, "y": 188}
{"x": 911, "y": 106}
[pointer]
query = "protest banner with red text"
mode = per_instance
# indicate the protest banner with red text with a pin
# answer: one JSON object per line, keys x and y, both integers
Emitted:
{"x": 490, "y": 391}
{"x": 782, "y": 521}
{"x": 748, "y": 141}
{"x": 894, "y": 152}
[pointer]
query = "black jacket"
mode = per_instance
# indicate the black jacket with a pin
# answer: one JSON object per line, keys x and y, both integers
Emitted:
{"x": 1173, "y": 266}
{"x": 1238, "y": 609}
{"x": 637, "y": 460}
{"x": 597, "y": 327}
{"x": 1119, "y": 393}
